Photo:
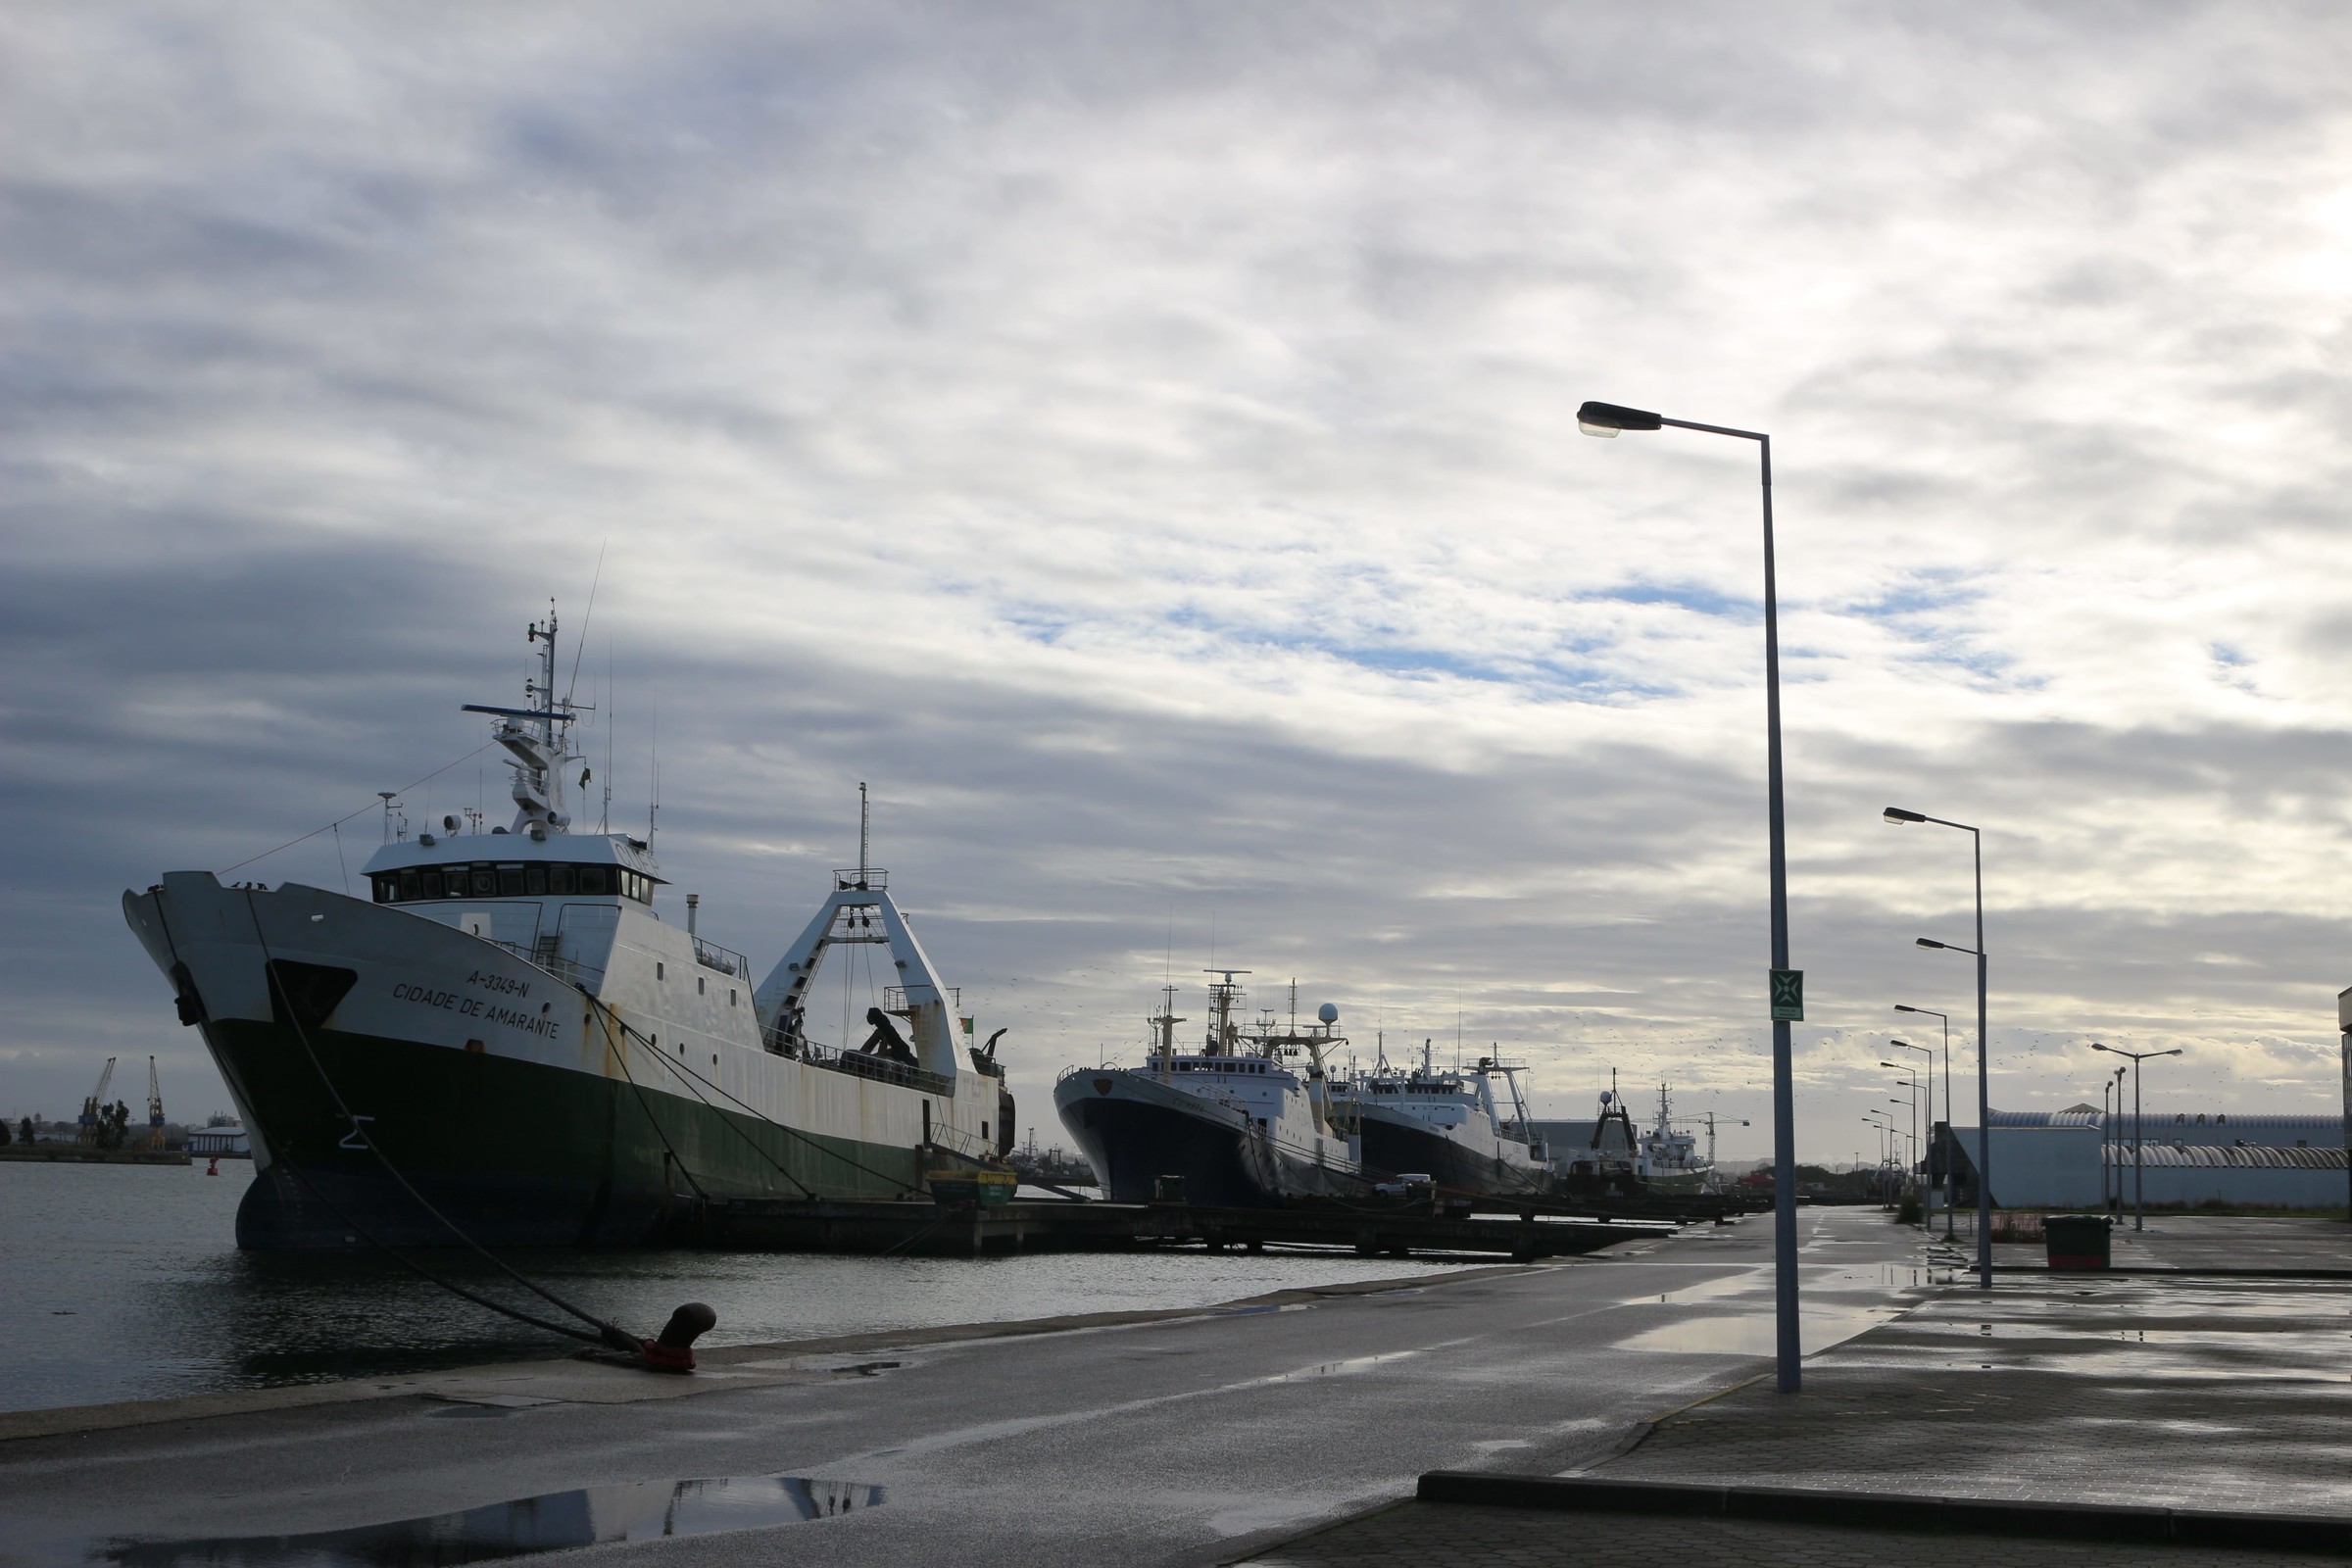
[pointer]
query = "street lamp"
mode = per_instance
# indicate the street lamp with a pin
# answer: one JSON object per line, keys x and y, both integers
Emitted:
{"x": 2139, "y": 1190}
{"x": 1885, "y": 1126}
{"x": 1929, "y": 1117}
{"x": 1945, "y": 1019}
{"x": 1606, "y": 419}
{"x": 1897, "y": 815}
{"x": 1912, "y": 1079}
{"x": 2106, "y": 1126}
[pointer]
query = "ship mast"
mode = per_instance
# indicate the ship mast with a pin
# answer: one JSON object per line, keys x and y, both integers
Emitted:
{"x": 535, "y": 739}
{"x": 1223, "y": 1037}
{"x": 1164, "y": 1032}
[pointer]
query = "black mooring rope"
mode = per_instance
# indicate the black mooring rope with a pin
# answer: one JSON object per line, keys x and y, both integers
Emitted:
{"x": 607, "y": 1333}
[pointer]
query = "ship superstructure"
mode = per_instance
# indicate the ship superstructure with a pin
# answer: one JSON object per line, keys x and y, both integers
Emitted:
{"x": 1244, "y": 1121}
{"x": 506, "y": 1038}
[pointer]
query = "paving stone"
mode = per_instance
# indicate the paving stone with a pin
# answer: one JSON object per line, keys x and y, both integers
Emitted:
{"x": 2232, "y": 1395}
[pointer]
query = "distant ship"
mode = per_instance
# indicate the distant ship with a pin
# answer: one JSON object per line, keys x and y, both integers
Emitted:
{"x": 1449, "y": 1125}
{"x": 504, "y": 1039}
{"x": 1609, "y": 1165}
{"x": 1667, "y": 1157}
{"x": 1235, "y": 1124}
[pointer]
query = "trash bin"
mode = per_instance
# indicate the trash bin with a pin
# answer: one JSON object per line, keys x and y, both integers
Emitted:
{"x": 2077, "y": 1240}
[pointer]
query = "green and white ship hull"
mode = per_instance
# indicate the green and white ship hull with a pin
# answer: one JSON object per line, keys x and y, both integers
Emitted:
{"x": 506, "y": 1045}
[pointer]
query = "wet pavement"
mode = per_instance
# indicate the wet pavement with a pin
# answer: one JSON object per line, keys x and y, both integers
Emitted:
{"x": 2197, "y": 1393}
{"x": 1183, "y": 1439}
{"x": 2189, "y": 1242}
{"x": 2200, "y": 1392}
{"x": 1418, "y": 1535}
{"x": 2213, "y": 1241}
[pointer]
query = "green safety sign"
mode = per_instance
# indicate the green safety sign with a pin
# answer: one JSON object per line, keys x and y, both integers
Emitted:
{"x": 1788, "y": 995}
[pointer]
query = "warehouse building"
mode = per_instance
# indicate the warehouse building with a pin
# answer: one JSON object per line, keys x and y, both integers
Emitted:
{"x": 2067, "y": 1159}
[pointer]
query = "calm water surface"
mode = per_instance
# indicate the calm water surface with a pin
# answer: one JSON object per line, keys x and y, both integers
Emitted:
{"x": 123, "y": 1282}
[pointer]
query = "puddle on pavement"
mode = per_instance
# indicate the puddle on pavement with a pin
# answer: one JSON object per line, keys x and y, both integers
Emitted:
{"x": 555, "y": 1521}
{"x": 1740, "y": 1283}
{"x": 1333, "y": 1369}
{"x": 1752, "y": 1333}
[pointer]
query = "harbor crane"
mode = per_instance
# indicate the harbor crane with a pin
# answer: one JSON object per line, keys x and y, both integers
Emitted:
{"x": 155, "y": 1108}
{"x": 93, "y": 1110}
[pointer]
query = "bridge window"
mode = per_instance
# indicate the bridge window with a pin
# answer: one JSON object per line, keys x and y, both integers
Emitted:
{"x": 510, "y": 881}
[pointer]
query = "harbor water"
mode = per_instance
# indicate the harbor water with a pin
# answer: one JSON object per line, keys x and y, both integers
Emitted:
{"x": 123, "y": 1282}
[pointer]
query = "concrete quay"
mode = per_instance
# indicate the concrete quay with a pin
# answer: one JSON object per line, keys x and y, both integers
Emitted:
{"x": 2065, "y": 1418}
{"x": 1189, "y": 1437}
{"x": 1371, "y": 1230}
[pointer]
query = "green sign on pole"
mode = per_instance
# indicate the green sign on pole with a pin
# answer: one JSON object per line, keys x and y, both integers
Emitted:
{"x": 1788, "y": 995}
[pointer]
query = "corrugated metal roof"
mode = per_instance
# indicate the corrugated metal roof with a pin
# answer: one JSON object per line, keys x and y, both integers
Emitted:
{"x": 2232, "y": 1156}
{"x": 2195, "y": 1126}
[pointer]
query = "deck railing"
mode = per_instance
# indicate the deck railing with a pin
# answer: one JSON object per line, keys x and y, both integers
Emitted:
{"x": 858, "y": 1063}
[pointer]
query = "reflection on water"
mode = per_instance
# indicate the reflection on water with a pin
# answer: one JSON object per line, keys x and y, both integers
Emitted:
{"x": 555, "y": 1521}
{"x": 125, "y": 1283}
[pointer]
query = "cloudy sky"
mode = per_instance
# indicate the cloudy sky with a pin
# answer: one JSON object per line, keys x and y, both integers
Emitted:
{"x": 1139, "y": 440}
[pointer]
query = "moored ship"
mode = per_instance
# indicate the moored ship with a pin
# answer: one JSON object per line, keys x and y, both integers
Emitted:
{"x": 1451, "y": 1126}
{"x": 1669, "y": 1160}
{"x": 506, "y": 1043}
{"x": 1233, "y": 1125}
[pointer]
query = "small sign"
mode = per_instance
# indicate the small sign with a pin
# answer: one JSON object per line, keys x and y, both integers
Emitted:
{"x": 1788, "y": 995}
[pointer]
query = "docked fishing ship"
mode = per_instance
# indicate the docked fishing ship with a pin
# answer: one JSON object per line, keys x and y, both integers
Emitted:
{"x": 1451, "y": 1126}
{"x": 1244, "y": 1122}
{"x": 1668, "y": 1157}
{"x": 1608, "y": 1164}
{"x": 505, "y": 1042}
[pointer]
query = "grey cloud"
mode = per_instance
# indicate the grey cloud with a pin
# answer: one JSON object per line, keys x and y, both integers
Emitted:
{"x": 1058, "y": 413}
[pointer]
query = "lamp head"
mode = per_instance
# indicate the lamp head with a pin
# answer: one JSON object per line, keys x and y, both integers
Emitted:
{"x": 1895, "y": 814}
{"x": 1930, "y": 942}
{"x": 1904, "y": 1007}
{"x": 1905, "y": 1043}
{"x": 2173, "y": 1052}
{"x": 2096, "y": 1045}
{"x": 1889, "y": 1064}
{"x": 1608, "y": 418}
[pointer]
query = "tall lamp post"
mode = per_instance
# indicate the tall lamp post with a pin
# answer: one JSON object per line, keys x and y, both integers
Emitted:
{"x": 1911, "y": 1100}
{"x": 2116, "y": 1082}
{"x": 1929, "y": 1118}
{"x": 1885, "y": 1126}
{"x": 1910, "y": 1077}
{"x": 2106, "y": 1124}
{"x": 1606, "y": 419}
{"x": 1896, "y": 814}
{"x": 1948, "y": 1101}
{"x": 2139, "y": 1190}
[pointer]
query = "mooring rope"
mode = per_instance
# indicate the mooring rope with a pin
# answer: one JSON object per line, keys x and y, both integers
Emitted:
{"x": 607, "y": 1333}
